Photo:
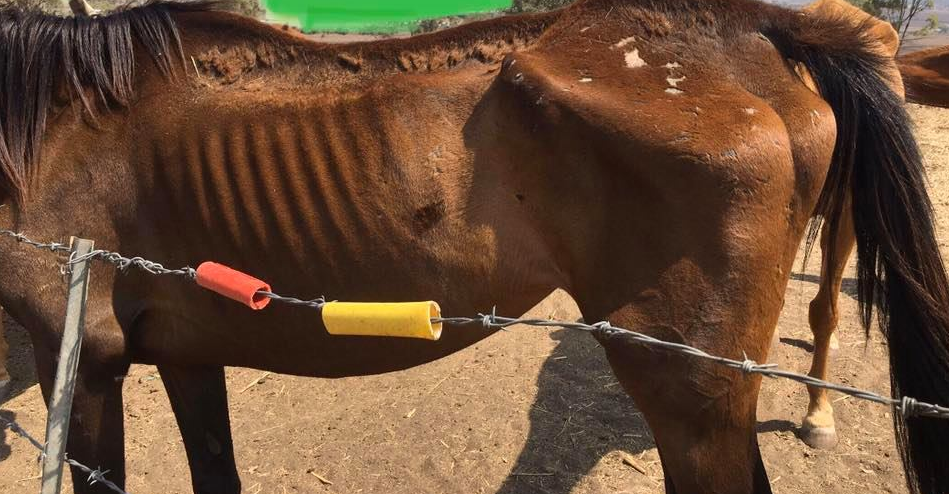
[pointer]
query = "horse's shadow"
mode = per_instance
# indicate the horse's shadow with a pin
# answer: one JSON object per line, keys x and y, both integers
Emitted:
{"x": 23, "y": 376}
{"x": 581, "y": 413}
{"x": 5, "y": 449}
{"x": 848, "y": 287}
{"x": 20, "y": 363}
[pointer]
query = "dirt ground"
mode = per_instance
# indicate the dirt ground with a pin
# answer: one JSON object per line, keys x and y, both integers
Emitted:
{"x": 527, "y": 411}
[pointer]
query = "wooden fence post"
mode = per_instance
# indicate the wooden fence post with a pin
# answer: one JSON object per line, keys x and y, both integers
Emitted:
{"x": 60, "y": 401}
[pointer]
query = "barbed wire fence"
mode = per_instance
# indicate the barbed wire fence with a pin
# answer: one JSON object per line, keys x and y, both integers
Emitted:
{"x": 907, "y": 406}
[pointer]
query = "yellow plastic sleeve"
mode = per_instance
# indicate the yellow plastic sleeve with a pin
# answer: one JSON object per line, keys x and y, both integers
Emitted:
{"x": 403, "y": 320}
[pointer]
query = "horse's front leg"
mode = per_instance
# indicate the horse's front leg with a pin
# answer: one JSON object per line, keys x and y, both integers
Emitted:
{"x": 198, "y": 396}
{"x": 96, "y": 428}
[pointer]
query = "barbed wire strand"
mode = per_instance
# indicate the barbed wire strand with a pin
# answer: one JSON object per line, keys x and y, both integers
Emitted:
{"x": 23, "y": 239}
{"x": 121, "y": 262}
{"x": 909, "y": 407}
{"x": 95, "y": 475}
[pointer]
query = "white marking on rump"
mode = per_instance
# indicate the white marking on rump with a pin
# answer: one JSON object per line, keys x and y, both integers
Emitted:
{"x": 633, "y": 60}
{"x": 750, "y": 111}
{"x": 625, "y": 41}
{"x": 674, "y": 81}
{"x": 586, "y": 79}
{"x": 672, "y": 65}
{"x": 672, "y": 90}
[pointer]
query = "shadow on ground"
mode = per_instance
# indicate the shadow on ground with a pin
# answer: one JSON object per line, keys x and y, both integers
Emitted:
{"x": 5, "y": 433}
{"x": 807, "y": 346}
{"x": 581, "y": 414}
{"x": 20, "y": 362}
{"x": 848, "y": 287}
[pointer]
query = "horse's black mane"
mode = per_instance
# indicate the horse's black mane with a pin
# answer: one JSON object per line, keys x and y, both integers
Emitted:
{"x": 92, "y": 58}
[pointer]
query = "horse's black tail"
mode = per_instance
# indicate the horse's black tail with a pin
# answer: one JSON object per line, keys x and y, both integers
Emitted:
{"x": 900, "y": 271}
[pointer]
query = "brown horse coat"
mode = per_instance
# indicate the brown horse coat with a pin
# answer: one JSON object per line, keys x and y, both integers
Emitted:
{"x": 657, "y": 159}
{"x": 926, "y": 76}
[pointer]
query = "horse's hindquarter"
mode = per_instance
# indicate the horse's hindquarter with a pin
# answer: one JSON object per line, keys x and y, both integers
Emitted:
{"x": 715, "y": 151}
{"x": 713, "y": 154}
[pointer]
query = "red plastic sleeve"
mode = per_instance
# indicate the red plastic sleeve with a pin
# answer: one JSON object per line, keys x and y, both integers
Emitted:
{"x": 233, "y": 284}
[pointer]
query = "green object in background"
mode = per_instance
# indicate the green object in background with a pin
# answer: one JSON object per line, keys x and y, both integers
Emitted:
{"x": 375, "y": 16}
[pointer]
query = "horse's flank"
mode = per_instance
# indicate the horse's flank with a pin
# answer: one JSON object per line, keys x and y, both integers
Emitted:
{"x": 348, "y": 169}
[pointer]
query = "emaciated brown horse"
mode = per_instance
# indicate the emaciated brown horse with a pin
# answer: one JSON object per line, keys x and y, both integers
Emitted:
{"x": 658, "y": 159}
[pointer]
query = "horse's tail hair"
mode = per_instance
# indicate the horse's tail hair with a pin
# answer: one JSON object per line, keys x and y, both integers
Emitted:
{"x": 877, "y": 163}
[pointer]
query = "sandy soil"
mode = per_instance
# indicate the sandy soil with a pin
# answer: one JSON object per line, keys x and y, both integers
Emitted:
{"x": 526, "y": 411}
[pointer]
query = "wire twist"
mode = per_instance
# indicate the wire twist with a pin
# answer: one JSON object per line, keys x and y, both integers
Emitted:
{"x": 316, "y": 303}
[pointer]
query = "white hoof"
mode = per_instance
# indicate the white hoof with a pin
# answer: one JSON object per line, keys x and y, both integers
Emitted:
{"x": 834, "y": 343}
{"x": 819, "y": 437}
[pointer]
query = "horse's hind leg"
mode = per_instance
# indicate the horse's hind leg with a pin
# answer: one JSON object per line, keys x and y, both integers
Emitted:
{"x": 198, "y": 397}
{"x": 818, "y": 429}
{"x": 702, "y": 414}
{"x": 706, "y": 443}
